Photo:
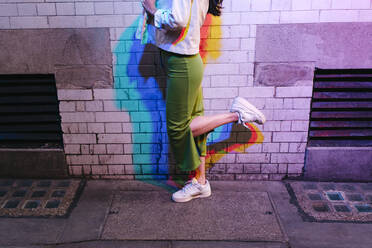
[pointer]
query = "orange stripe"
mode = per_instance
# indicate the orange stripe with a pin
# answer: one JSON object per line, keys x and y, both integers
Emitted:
{"x": 184, "y": 30}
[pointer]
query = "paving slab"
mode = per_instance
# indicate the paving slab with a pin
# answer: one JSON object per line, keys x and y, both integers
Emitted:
{"x": 226, "y": 215}
{"x": 167, "y": 244}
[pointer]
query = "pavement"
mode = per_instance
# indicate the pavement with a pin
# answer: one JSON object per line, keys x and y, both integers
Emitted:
{"x": 138, "y": 214}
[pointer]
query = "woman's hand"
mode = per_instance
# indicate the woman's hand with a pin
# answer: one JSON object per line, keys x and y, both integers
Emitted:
{"x": 149, "y": 6}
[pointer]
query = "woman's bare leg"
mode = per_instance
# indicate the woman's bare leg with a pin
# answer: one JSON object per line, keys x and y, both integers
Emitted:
{"x": 204, "y": 124}
{"x": 200, "y": 171}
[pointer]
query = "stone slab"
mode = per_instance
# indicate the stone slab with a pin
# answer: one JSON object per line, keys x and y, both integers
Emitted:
{"x": 73, "y": 53}
{"x": 338, "y": 163}
{"x": 33, "y": 163}
{"x": 239, "y": 216}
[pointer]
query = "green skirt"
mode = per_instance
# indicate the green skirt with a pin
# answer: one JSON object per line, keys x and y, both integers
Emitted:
{"x": 184, "y": 102}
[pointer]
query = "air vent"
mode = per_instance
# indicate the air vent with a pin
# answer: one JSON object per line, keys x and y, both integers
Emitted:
{"x": 29, "y": 116}
{"x": 341, "y": 109}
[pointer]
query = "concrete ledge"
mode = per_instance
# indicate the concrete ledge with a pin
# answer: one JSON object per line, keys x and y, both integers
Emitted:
{"x": 338, "y": 163}
{"x": 35, "y": 163}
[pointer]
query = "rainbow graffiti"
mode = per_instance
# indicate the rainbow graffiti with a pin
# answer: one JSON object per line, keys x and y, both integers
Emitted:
{"x": 139, "y": 86}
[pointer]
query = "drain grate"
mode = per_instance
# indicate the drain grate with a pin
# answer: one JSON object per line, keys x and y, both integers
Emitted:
{"x": 38, "y": 198}
{"x": 332, "y": 201}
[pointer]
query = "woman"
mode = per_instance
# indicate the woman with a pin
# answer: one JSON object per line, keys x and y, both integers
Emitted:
{"x": 177, "y": 33}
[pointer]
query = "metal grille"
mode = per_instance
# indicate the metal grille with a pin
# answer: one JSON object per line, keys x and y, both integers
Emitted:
{"x": 29, "y": 116}
{"x": 341, "y": 109}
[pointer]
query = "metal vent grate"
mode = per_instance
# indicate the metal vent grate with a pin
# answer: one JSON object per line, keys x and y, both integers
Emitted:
{"x": 29, "y": 115}
{"x": 341, "y": 109}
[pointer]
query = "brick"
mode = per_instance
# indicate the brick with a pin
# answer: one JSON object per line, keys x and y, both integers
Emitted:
{"x": 249, "y": 177}
{"x": 70, "y": 127}
{"x": 8, "y": 10}
{"x": 220, "y": 177}
{"x": 301, "y": 103}
{"x": 77, "y": 117}
{"x": 115, "y": 149}
{"x": 27, "y": 9}
{"x": 253, "y": 158}
{"x": 321, "y": 4}
{"x": 261, "y": 5}
{"x": 295, "y": 168}
{"x": 288, "y": 103}
{"x": 123, "y": 8}
{"x": 256, "y": 91}
{"x": 241, "y": 5}
{"x": 365, "y": 15}
{"x": 79, "y": 138}
{"x": 238, "y": 80}
{"x": 66, "y": 95}
{"x": 220, "y": 103}
{"x": 80, "y": 106}
{"x": 282, "y": 168}
{"x": 72, "y": 149}
{"x": 96, "y": 128}
{"x": 99, "y": 149}
{"x": 253, "y": 30}
{"x": 296, "y": 91}
{"x": 99, "y": 170}
{"x": 67, "y": 106}
{"x": 284, "y": 147}
{"x": 84, "y": 8}
{"x": 103, "y": 8}
{"x": 300, "y": 125}
{"x": 360, "y": 4}
{"x": 216, "y": 168}
{"x": 46, "y": 9}
{"x": 115, "y": 159}
{"x": 290, "y": 137}
{"x": 270, "y": 147}
{"x": 116, "y": 169}
{"x": 339, "y": 15}
{"x": 87, "y": 169}
{"x": 93, "y": 106}
{"x": 272, "y": 126}
{"x": 301, "y": 4}
{"x": 285, "y": 126}
{"x": 104, "y": 21}
{"x": 252, "y": 168}
{"x": 276, "y": 177}
{"x": 115, "y": 106}
{"x": 83, "y": 128}
{"x": 220, "y": 92}
{"x": 29, "y": 22}
{"x": 309, "y": 16}
{"x": 76, "y": 170}
{"x": 273, "y": 103}
{"x": 287, "y": 158}
{"x": 129, "y": 169}
{"x": 248, "y": 44}
{"x": 300, "y": 114}
{"x": 281, "y": 4}
{"x": 82, "y": 159}
{"x": 114, "y": 138}
{"x": 241, "y": 31}
{"x": 260, "y": 17}
{"x": 110, "y": 94}
{"x": 297, "y": 147}
{"x": 231, "y": 19}
{"x": 269, "y": 168}
{"x": 65, "y": 9}
{"x": 246, "y": 68}
{"x": 111, "y": 117}
{"x": 341, "y": 4}
{"x": 67, "y": 21}
{"x": 86, "y": 149}
{"x": 234, "y": 168}
{"x": 113, "y": 128}
{"x": 4, "y": 23}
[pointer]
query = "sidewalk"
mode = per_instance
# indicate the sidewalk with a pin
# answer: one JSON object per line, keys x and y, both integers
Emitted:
{"x": 254, "y": 214}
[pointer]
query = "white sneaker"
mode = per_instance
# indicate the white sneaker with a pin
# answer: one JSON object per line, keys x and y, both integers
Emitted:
{"x": 192, "y": 189}
{"x": 247, "y": 112}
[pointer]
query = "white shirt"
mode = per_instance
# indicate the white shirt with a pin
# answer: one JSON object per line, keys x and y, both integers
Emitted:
{"x": 177, "y": 25}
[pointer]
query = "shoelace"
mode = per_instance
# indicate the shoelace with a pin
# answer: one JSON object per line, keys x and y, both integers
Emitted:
{"x": 187, "y": 187}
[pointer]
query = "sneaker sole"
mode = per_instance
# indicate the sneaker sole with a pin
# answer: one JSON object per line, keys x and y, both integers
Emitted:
{"x": 192, "y": 197}
{"x": 245, "y": 102}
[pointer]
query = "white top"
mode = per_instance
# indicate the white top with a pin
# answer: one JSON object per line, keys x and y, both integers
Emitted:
{"x": 178, "y": 24}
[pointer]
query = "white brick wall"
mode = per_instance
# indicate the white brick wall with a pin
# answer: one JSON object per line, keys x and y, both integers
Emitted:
{"x": 107, "y": 130}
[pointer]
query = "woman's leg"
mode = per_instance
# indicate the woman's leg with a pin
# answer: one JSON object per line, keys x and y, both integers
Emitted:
{"x": 203, "y": 124}
{"x": 200, "y": 171}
